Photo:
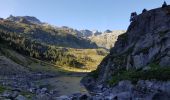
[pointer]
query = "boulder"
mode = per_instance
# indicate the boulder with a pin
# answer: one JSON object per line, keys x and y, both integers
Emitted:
{"x": 64, "y": 97}
{"x": 20, "y": 97}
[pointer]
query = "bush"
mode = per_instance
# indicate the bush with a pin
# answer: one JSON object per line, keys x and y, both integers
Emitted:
{"x": 2, "y": 89}
{"x": 162, "y": 74}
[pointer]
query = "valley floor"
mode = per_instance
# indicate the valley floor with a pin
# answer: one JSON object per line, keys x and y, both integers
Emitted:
{"x": 32, "y": 79}
{"x": 64, "y": 84}
{"x": 39, "y": 86}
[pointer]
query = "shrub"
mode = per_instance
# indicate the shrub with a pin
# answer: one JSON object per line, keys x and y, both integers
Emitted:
{"x": 162, "y": 74}
{"x": 2, "y": 89}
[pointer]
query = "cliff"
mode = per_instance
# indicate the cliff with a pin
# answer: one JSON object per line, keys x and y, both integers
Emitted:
{"x": 142, "y": 53}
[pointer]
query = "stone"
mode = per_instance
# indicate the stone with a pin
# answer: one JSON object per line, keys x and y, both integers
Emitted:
{"x": 124, "y": 96}
{"x": 83, "y": 97}
{"x": 43, "y": 90}
{"x": 14, "y": 94}
{"x": 161, "y": 96}
{"x": 165, "y": 61}
{"x": 139, "y": 60}
{"x": 64, "y": 97}
{"x": 43, "y": 97}
{"x": 20, "y": 97}
{"x": 7, "y": 94}
{"x": 32, "y": 90}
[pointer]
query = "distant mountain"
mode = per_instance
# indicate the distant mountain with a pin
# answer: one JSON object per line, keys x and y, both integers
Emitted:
{"x": 31, "y": 19}
{"x": 107, "y": 31}
{"x": 58, "y": 45}
{"x": 106, "y": 39}
{"x": 86, "y": 33}
{"x": 63, "y": 36}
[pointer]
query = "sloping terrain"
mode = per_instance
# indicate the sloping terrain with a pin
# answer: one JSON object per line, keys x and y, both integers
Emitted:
{"x": 142, "y": 56}
{"x": 8, "y": 67}
{"x": 44, "y": 34}
{"x": 49, "y": 44}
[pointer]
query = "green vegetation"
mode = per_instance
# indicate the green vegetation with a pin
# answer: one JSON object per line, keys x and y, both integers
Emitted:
{"x": 12, "y": 55}
{"x": 2, "y": 89}
{"x": 20, "y": 32}
{"x": 43, "y": 43}
{"x": 162, "y": 33}
{"x": 28, "y": 95}
{"x": 155, "y": 72}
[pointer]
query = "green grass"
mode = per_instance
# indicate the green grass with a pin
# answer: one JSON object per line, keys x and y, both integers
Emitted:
{"x": 76, "y": 60}
{"x": 162, "y": 74}
{"x": 83, "y": 59}
{"x": 12, "y": 55}
{"x": 94, "y": 74}
{"x": 28, "y": 95}
{"x": 2, "y": 89}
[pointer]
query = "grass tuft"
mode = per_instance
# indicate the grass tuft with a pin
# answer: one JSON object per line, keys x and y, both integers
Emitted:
{"x": 162, "y": 74}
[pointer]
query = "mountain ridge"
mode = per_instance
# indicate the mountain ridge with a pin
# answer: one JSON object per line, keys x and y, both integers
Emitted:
{"x": 31, "y": 19}
{"x": 102, "y": 39}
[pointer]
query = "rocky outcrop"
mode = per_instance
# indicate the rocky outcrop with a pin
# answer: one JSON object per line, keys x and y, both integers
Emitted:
{"x": 125, "y": 90}
{"x": 106, "y": 39}
{"x": 146, "y": 43}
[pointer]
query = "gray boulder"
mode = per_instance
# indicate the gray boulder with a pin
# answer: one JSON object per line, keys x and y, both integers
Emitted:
{"x": 21, "y": 97}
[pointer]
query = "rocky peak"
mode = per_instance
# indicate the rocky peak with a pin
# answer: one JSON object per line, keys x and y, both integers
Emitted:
{"x": 96, "y": 32}
{"x": 31, "y": 19}
{"x": 107, "y": 31}
{"x": 148, "y": 31}
{"x": 86, "y": 33}
{"x": 106, "y": 39}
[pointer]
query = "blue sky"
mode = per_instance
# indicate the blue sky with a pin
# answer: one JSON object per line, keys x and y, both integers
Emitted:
{"x": 79, "y": 14}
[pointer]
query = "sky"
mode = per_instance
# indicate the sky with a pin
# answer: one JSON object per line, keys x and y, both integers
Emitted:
{"x": 79, "y": 14}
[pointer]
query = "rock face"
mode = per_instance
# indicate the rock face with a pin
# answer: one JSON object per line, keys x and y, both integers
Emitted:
{"x": 106, "y": 39}
{"x": 146, "y": 42}
{"x": 86, "y": 33}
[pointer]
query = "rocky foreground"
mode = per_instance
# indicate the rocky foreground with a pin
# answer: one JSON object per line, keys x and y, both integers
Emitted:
{"x": 17, "y": 82}
{"x": 125, "y": 90}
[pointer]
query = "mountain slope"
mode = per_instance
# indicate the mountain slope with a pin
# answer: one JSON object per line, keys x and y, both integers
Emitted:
{"x": 31, "y": 19}
{"x": 142, "y": 53}
{"x": 45, "y": 34}
{"x": 62, "y": 36}
{"x": 106, "y": 39}
{"x": 49, "y": 44}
